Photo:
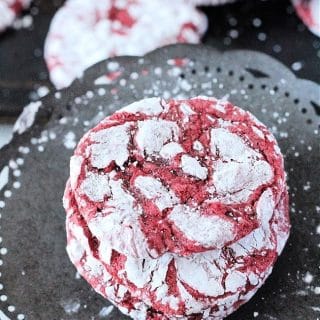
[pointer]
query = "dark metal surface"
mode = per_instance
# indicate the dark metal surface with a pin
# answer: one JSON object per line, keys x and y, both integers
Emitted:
{"x": 37, "y": 277}
{"x": 22, "y": 69}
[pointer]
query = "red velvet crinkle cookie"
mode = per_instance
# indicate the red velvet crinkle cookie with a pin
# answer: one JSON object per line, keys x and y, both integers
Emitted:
{"x": 309, "y": 13}
{"x": 9, "y": 9}
{"x": 177, "y": 209}
{"x": 84, "y": 32}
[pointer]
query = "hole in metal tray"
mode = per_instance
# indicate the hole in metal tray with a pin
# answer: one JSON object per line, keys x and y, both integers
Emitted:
{"x": 257, "y": 73}
{"x": 316, "y": 107}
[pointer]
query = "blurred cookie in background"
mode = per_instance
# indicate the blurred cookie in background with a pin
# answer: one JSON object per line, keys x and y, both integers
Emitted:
{"x": 9, "y": 9}
{"x": 84, "y": 32}
{"x": 309, "y": 13}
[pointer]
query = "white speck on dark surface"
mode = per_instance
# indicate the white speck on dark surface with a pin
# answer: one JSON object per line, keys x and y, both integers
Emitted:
{"x": 101, "y": 91}
{"x": 105, "y": 311}
{"x": 3, "y": 297}
{"x": 234, "y": 33}
{"x": 185, "y": 85}
{"x": 89, "y": 94}
{"x": 23, "y": 150}
{"x": 63, "y": 120}
{"x": 7, "y": 193}
{"x": 232, "y": 21}
{"x": 40, "y": 148}
{"x": 17, "y": 173}
{"x": 11, "y": 308}
{"x": 297, "y": 66}
{"x": 256, "y": 22}
{"x": 262, "y": 36}
{"x": 42, "y": 91}
{"x": 308, "y": 277}
{"x": 158, "y": 71}
{"x": 307, "y": 186}
{"x": 3, "y": 251}
{"x": 4, "y": 177}
{"x": 71, "y": 306}
{"x": 57, "y": 95}
{"x": 27, "y": 117}
{"x": 17, "y": 184}
{"x": 134, "y": 76}
{"x": 77, "y": 100}
{"x": 69, "y": 140}
{"x": 113, "y": 66}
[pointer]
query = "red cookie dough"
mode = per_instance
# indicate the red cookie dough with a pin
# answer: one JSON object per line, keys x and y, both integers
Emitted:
{"x": 309, "y": 13}
{"x": 177, "y": 209}
{"x": 9, "y": 9}
{"x": 84, "y": 32}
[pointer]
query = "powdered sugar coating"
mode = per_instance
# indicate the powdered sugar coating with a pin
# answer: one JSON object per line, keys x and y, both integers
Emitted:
{"x": 111, "y": 146}
{"x": 153, "y": 134}
{"x": 153, "y": 189}
{"x": 9, "y": 10}
{"x": 192, "y": 167}
{"x": 168, "y": 242}
{"x": 115, "y": 27}
{"x": 96, "y": 187}
{"x": 170, "y": 150}
{"x": 150, "y": 107}
{"x": 209, "y": 231}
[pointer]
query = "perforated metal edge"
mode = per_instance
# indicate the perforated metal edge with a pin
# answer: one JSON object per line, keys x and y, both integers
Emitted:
{"x": 304, "y": 90}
